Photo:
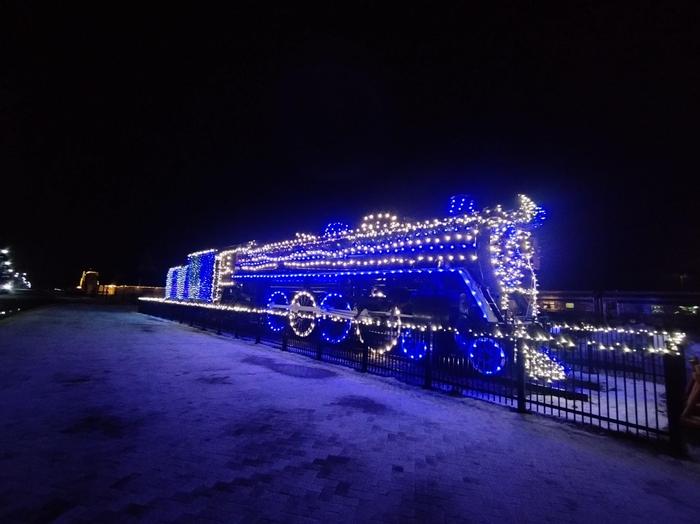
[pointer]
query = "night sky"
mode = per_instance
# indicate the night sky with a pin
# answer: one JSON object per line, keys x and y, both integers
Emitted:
{"x": 129, "y": 138}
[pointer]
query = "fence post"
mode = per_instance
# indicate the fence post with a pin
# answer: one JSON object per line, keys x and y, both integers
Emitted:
{"x": 285, "y": 337}
{"x": 674, "y": 375}
{"x": 319, "y": 346}
{"x": 518, "y": 346}
{"x": 258, "y": 329}
{"x": 428, "y": 377}
{"x": 365, "y": 358}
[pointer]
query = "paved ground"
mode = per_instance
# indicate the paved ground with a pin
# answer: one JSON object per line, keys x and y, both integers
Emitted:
{"x": 107, "y": 415}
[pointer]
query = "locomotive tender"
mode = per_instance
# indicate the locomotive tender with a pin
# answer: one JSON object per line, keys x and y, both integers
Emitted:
{"x": 471, "y": 273}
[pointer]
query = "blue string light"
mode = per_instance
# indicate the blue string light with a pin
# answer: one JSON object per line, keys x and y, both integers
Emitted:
{"x": 461, "y": 204}
{"x": 181, "y": 282}
{"x": 485, "y": 354}
{"x": 334, "y": 331}
{"x": 171, "y": 283}
{"x": 200, "y": 275}
{"x": 276, "y": 323}
{"x": 332, "y": 274}
{"x": 413, "y": 345}
{"x": 334, "y": 228}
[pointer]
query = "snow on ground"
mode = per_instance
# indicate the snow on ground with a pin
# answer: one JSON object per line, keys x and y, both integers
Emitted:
{"x": 619, "y": 399}
{"x": 109, "y": 415}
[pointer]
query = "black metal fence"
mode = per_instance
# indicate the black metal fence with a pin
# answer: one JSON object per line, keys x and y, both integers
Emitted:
{"x": 628, "y": 389}
{"x": 11, "y": 304}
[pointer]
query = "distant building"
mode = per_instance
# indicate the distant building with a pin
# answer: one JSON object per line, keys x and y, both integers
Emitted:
{"x": 637, "y": 306}
{"x": 131, "y": 291}
{"x": 89, "y": 282}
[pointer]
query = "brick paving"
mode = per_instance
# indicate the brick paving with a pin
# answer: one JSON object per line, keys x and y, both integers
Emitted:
{"x": 107, "y": 415}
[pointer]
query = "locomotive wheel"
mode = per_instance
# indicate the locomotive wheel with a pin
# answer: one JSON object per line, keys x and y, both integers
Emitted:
{"x": 486, "y": 355}
{"x": 302, "y": 318}
{"x": 276, "y": 301}
{"x": 380, "y": 331}
{"x": 413, "y": 344}
{"x": 334, "y": 328}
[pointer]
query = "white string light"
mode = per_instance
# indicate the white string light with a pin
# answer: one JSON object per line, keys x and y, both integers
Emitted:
{"x": 662, "y": 342}
{"x": 297, "y": 315}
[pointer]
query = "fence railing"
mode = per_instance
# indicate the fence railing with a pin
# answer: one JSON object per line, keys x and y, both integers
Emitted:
{"x": 12, "y": 304}
{"x": 613, "y": 381}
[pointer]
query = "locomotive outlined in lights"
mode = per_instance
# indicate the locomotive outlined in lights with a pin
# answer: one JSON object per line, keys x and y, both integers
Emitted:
{"x": 469, "y": 273}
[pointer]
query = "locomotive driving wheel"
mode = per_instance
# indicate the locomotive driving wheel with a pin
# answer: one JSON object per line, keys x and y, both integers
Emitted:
{"x": 379, "y": 330}
{"x": 277, "y": 303}
{"x": 302, "y": 314}
{"x": 336, "y": 323}
{"x": 486, "y": 354}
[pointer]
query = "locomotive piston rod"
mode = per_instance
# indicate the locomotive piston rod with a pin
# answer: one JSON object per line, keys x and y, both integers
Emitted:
{"x": 347, "y": 314}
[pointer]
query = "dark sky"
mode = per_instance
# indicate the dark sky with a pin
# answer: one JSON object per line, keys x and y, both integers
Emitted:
{"x": 131, "y": 137}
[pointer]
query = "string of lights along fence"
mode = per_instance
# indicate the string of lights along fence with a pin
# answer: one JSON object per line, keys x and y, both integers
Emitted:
{"x": 470, "y": 274}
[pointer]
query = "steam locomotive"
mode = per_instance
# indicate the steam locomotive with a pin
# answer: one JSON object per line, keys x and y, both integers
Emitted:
{"x": 467, "y": 272}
